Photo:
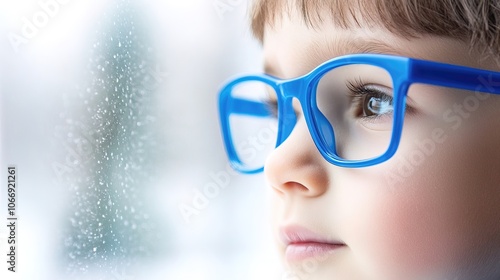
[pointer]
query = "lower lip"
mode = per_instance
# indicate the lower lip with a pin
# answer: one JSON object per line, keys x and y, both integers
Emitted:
{"x": 301, "y": 251}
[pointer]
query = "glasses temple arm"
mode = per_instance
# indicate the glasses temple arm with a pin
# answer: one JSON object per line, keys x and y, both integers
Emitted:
{"x": 455, "y": 76}
{"x": 248, "y": 107}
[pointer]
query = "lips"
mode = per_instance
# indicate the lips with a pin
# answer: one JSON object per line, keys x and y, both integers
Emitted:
{"x": 302, "y": 243}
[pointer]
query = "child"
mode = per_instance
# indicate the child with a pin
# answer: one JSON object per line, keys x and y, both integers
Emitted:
{"x": 377, "y": 128}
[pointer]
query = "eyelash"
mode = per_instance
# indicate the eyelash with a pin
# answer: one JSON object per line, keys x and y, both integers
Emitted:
{"x": 358, "y": 90}
{"x": 272, "y": 105}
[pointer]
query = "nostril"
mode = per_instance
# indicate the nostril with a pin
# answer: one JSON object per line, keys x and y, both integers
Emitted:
{"x": 294, "y": 186}
{"x": 291, "y": 187}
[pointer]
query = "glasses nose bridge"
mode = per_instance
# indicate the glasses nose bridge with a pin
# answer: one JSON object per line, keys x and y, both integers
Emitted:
{"x": 289, "y": 89}
{"x": 294, "y": 88}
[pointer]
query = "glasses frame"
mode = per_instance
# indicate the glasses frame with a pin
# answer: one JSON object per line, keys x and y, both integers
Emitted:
{"x": 403, "y": 70}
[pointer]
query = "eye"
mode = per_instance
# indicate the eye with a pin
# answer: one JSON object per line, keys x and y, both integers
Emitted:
{"x": 272, "y": 106}
{"x": 370, "y": 101}
{"x": 376, "y": 104}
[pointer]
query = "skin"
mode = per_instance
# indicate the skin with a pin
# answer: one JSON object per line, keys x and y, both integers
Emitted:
{"x": 440, "y": 221}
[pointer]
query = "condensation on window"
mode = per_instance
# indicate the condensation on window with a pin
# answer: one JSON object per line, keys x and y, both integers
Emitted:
{"x": 111, "y": 150}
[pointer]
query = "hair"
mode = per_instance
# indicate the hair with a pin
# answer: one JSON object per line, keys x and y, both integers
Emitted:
{"x": 476, "y": 22}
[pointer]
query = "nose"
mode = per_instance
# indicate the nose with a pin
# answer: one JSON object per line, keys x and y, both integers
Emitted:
{"x": 296, "y": 167}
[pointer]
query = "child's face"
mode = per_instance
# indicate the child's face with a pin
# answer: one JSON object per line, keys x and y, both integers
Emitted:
{"x": 430, "y": 212}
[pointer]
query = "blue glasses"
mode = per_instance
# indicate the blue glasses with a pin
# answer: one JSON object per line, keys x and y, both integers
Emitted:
{"x": 354, "y": 107}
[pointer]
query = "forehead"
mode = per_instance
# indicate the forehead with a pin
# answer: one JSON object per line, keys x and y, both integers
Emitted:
{"x": 293, "y": 48}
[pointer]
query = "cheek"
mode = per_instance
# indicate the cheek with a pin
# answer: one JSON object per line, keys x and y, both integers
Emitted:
{"x": 436, "y": 219}
{"x": 402, "y": 233}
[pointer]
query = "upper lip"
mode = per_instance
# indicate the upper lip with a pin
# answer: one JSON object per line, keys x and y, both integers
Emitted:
{"x": 295, "y": 234}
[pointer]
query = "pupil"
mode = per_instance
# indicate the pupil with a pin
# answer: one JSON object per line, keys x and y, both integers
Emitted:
{"x": 375, "y": 105}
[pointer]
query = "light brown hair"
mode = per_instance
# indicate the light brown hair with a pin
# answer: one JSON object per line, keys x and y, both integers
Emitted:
{"x": 476, "y": 22}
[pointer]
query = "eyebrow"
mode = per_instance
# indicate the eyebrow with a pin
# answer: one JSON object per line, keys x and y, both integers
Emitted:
{"x": 335, "y": 48}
